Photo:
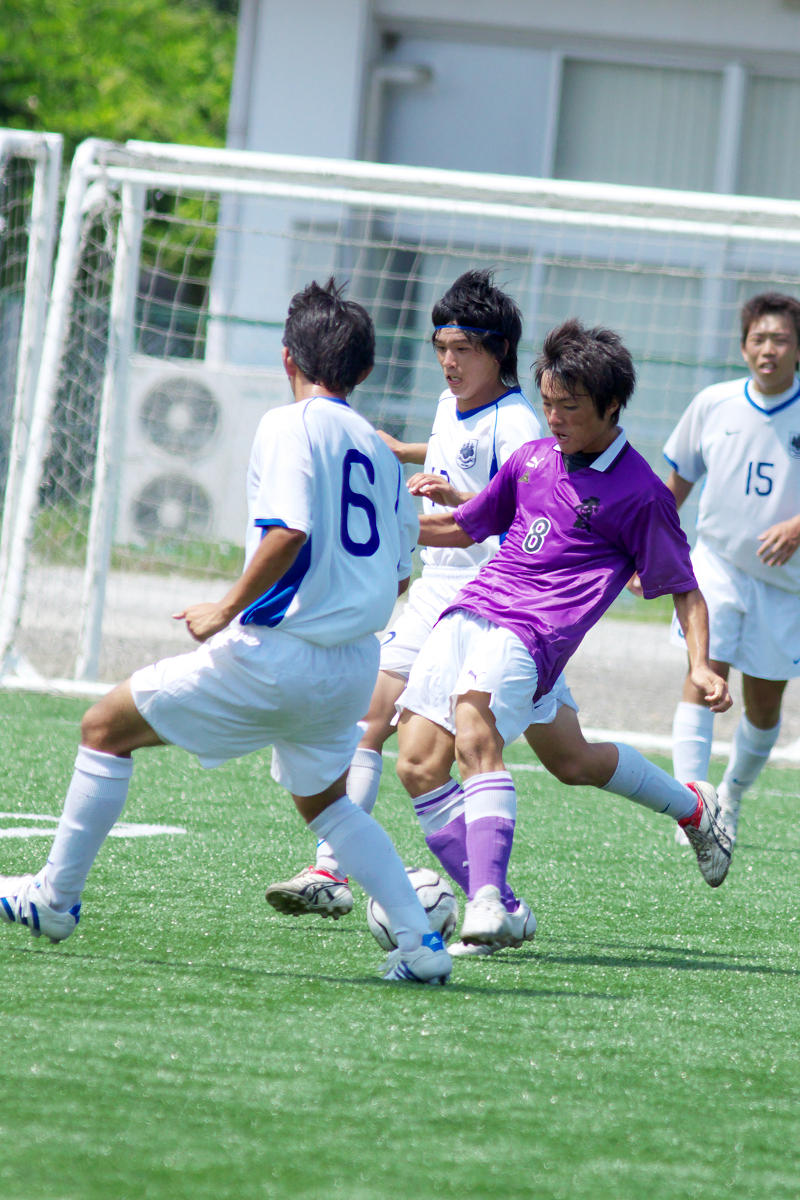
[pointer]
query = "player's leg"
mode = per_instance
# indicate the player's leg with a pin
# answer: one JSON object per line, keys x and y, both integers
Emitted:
{"x": 492, "y": 693}
{"x": 619, "y": 768}
{"x": 753, "y": 741}
{"x": 323, "y": 888}
{"x": 367, "y": 854}
{"x": 766, "y": 655}
{"x": 425, "y": 757}
{"x": 49, "y": 902}
{"x": 692, "y": 730}
{"x": 692, "y": 735}
{"x": 364, "y": 776}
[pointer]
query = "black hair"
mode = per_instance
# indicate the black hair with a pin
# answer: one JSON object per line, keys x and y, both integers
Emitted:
{"x": 592, "y": 360}
{"x": 488, "y": 317}
{"x": 769, "y": 303}
{"x": 331, "y": 340}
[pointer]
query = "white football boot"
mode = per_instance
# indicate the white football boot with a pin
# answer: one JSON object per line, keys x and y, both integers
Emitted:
{"x": 312, "y": 890}
{"x": 22, "y": 903}
{"x": 710, "y": 839}
{"x": 429, "y": 963}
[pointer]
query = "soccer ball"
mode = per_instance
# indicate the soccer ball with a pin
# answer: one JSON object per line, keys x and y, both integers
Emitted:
{"x": 436, "y": 897}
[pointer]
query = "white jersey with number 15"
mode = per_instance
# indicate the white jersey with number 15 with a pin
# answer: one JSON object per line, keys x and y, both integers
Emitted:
{"x": 748, "y": 446}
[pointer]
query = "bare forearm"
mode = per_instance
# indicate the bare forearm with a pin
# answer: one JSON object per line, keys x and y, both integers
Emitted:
{"x": 275, "y": 555}
{"x": 273, "y": 558}
{"x": 679, "y": 487}
{"x": 439, "y": 529}
{"x": 692, "y": 614}
{"x": 406, "y": 452}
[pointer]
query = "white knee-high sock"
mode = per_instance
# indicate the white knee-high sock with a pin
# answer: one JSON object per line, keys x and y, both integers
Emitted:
{"x": 366, "y": 852}
{"x": 95, "y": 798}
{"x": 363, "y": 782}
{"x": 751, "y": 749}
{"x": 643, "y": 782}
{"x": 440, "y": 813}
{"x": 692, "y": 731}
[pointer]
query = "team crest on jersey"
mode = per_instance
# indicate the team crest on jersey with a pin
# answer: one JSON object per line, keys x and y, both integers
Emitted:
{"x": 468, "y": 454}
{"x": 794, "y": 445}
{"x": 585, "y": 511}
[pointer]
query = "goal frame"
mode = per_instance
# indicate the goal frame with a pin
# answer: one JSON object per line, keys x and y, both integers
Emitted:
{"x": 100, "y": 168}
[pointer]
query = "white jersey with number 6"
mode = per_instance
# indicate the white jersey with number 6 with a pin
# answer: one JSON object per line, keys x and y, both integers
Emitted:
{"x": 319, "y": 466}
{"x": 748, "y": 446}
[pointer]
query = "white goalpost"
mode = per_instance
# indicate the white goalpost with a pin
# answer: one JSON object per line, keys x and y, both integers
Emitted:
{"x": 29, "y": 182}
{"x": 124, "y": 485}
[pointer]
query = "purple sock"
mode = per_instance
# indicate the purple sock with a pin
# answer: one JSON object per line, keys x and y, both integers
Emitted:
{"x": 449, "y": 844}
{"x": 489, "y": 841}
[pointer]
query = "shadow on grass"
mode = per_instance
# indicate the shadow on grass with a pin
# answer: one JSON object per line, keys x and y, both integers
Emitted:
{"x": 670, "y": 959}
{"x": 459, "y": 985}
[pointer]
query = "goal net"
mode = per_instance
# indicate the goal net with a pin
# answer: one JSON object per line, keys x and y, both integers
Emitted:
{"x": 174, "y": 269}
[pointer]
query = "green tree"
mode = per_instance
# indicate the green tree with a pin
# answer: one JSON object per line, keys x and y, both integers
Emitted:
{"x": 154, "y": 69}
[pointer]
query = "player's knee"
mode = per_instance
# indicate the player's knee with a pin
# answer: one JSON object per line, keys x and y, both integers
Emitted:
{"x": 415, "y": 774}
{"x": 569, "y": 771}
{"x": 95, "y": 728}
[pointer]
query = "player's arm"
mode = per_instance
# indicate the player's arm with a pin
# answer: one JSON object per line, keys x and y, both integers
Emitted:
{"x": 680, "y": 489}
{"x": 275, "y": 554}
{"x": 440, "y": 529}
{"x": 406, "y": 452}
{"x": 437, "y": 488}
{"x": 692, "y": 614}
{"x": 779, "y": 542}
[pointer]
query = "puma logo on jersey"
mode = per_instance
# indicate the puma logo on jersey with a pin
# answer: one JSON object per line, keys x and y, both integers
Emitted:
{"x": 526, "y": 476}
{"x": 794, "y": 445}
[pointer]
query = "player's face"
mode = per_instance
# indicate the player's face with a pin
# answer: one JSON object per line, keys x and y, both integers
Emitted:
{"x": 770, "y": 351}
{"x": 573, "y": 419}
{"x": 471, "y": 373}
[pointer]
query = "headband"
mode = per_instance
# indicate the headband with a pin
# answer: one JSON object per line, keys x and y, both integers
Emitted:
{"x": 470, "y": 329}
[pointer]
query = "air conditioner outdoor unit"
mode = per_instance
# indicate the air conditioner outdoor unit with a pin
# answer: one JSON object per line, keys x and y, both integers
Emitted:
{"x": 189, "y": 429}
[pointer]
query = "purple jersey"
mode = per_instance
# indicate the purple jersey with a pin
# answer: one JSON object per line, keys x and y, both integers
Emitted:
{"x": 573, "y": 540}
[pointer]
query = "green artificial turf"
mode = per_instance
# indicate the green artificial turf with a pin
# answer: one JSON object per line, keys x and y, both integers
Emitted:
{"x": 189, "y": 1042}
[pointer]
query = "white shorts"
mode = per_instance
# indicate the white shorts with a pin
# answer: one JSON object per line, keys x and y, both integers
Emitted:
{"x": 466, "y": 653}
{"x": 753, "y": 626}
{"x": 405, "y": 637}
{"x": 250, "y": 687}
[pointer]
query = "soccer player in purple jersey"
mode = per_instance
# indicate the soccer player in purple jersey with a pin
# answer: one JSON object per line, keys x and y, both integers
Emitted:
{"x": 579, "y": 512}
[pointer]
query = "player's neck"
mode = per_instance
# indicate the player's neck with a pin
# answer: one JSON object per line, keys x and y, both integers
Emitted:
{"x": 771, "y": 398}
{"x": 483, "y": 399}
{"x": 304, "y": 389}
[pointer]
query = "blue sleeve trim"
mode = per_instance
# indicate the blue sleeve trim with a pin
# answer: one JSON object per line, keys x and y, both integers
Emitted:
{"x": 271, "y": 607}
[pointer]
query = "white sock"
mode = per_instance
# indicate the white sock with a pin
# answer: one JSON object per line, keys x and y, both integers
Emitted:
{"x": 439, "y": 807}
{"x": 366, "y": 853}
{"x": 692, "y": 730}
{"x": 751, "y": 749}
{"x": 95, "y": 798}
{"x": 363, "y": 781}
{"x": 643, "y": 782}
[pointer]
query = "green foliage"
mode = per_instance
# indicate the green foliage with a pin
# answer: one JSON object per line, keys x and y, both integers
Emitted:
{"x": 187, "y": 1043}
{"x": 154, "y": 69}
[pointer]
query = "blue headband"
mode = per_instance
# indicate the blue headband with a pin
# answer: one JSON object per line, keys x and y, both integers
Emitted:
{"x": 470, "y": 329}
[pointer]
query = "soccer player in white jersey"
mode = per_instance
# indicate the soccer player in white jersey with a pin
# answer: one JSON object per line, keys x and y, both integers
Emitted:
{"x": 482, "y": 416}
{"x": 578, "y": 511}
{"x": 331, "y": 528}
{"x": 743, "y": 439}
